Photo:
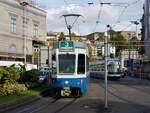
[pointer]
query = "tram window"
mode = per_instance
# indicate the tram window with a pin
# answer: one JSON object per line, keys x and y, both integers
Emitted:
{"x": 81, "y": 64}
{"x": 66, "y": 63}
{"x": 53, "y": 70}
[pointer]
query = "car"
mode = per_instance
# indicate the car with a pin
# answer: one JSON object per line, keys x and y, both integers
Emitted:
{"x": 43, "y": 75}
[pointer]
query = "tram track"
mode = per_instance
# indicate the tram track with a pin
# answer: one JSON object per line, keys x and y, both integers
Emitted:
{"x": 48, "y": 105}
{"x": 114, "y": 90}
{"x": 36, "y": 106}
{"x": 66, "y": 105}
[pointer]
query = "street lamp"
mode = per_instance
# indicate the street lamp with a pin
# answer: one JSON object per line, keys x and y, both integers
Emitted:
{"x": 70, "y": 20}
{"x": 24, "y": 4}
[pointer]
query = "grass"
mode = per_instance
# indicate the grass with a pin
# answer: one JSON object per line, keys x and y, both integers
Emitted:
{"x": 31, "y": 92}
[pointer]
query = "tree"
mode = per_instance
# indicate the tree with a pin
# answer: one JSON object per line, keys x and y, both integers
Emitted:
{"x": 134, "y": 42}
{"x": 73, "y": 36}
{"x": 100, "y": 37}
{"x": 61, "y": 36}
{"x": 119, "y": 42}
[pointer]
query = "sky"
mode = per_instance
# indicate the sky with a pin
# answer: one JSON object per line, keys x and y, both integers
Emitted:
{"x": 119, "y": 15}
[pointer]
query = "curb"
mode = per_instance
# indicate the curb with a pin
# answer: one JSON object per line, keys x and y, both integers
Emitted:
{"x": 20, "y": 102}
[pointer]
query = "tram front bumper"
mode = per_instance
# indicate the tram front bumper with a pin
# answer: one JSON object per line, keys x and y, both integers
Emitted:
{"x": 80, "y": 83}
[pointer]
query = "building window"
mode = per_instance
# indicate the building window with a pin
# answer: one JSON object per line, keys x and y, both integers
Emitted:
{"x": 12, "y": 49}
{"x": 35, "y": 30}
{"x": 13, "y": 26}
{"x": 25, "y": 26}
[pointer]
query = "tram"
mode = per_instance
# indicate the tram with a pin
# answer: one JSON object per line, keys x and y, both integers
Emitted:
{"x": 70, "y": 63}
{"x": 114, "y": 68}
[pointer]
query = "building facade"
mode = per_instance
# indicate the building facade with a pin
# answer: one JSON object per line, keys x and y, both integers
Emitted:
{"x": 128, "y": 35}
{"x": 146, "y": 27}
{"x": 19, "y": 27}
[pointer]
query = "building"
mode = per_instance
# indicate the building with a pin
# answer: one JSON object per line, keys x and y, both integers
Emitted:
{"x": 23, "y": 29}
{"x": 132, "y": 54}
{"x": 145, "y": 27}
{"x": 96, "y": 36}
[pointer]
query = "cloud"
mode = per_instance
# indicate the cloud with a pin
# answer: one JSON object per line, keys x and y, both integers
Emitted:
{"x": 56, "y": 22}
{"x": 109, "y": 15}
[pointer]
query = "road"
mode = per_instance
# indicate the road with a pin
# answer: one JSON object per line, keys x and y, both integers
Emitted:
{"x": 128, "y": 95}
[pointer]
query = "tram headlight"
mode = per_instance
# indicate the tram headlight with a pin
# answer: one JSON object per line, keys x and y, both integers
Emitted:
{"x": 66, "y": 82}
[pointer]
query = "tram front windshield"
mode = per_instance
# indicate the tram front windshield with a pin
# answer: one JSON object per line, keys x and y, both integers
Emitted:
{"x": 67, "y": 63}
{"x": 113, "y": 69}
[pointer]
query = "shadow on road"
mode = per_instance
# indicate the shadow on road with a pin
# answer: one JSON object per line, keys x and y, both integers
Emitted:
{"x": 48, "y": 93}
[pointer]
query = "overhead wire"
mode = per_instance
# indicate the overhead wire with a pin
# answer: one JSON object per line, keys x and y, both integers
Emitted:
{"x": 67, "y": 4}
{"x": 126, "y": 27}
{"x": 90, "y": 3}
{"x": 135, "y": 2}
{"x": 119, "y": 17}
{"x": 99, "y": 15}
{"x": 125, "y": 7}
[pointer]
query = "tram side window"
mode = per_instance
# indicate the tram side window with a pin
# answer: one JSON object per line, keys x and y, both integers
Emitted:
{"x": 81, "y": 64}
{"x": 54, "y": 64}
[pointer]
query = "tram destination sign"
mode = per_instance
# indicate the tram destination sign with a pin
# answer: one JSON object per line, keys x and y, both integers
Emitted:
{"x": 66, "y": 45}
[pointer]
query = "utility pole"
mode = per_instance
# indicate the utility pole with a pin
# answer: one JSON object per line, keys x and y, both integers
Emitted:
{"x": 24, "y": 4}
{"x": 106, "y": 70}
{"x": 48, "y": 65}
{"x": 129, "y": 51}
{"x": 136, "y": 23}
{"x": 69, "y": 28}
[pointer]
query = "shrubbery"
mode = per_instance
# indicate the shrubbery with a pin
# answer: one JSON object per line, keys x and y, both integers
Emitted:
{"x": 10, "y": 87}
{"x": 14, "y": 80}
{"x": 30, "y": 76}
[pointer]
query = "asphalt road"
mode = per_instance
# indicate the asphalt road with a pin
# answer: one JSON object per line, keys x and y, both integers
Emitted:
{"x": 127, "y": 95}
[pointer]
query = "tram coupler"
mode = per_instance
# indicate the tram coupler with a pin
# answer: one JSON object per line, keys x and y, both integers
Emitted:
{"x": 65, "y": 91}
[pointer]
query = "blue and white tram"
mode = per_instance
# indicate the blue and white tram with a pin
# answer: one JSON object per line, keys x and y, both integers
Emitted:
{"x": 114, "y": 68}
{"x": 71, "y": 74}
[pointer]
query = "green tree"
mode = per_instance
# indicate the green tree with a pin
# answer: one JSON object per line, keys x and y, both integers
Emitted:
{"x": 74, "y": 36}
{"x": 134, "y": 42}
{"x": 119, "y": 42}
{"x": 100, "y": 37}
{"x": 61, "y": 36}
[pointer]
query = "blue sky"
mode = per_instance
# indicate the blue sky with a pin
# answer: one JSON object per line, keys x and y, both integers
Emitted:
{"x": 87, "y": 23}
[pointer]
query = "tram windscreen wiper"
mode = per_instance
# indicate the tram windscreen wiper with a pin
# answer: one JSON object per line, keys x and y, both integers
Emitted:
{"x": 66, "y": 63}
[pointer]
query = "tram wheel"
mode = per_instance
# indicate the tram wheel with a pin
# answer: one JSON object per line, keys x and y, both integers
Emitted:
{"x": 58, "y": 92}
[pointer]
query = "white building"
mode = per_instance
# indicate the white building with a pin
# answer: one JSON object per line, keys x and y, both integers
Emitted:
{"x": 20, "y": 26}
{"x": 111, "y": 50}
{"x": 132, "y": 54}
{"x": 44, "y": 56}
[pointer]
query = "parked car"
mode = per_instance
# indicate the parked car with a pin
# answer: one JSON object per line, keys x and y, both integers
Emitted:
{"x": 43, "y": 75}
